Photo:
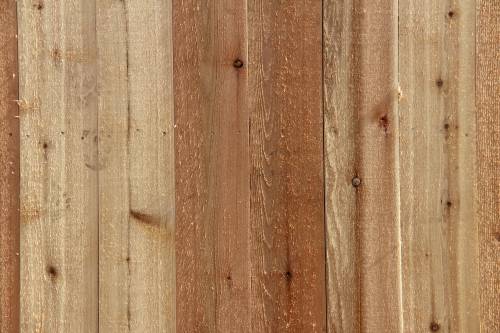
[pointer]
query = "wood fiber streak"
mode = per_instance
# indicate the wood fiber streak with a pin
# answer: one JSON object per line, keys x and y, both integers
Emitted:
{"x": 437, "y": 149}
{"x": 9, "y": 170}
{"x": 136, "y": 167}
{"x": 361, "y": 163}
{"x": 212, "y": 166}
{"x": 59, "y": 185}
{"x": 488, "y": 154}
{"x": 286, "y": 145}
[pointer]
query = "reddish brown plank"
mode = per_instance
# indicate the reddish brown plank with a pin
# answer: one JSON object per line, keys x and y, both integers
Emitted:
{"x": 212, "y": 177}
{"x": 488, "y": 153}
{"x": 9, "y": 170}
{"x": 287, "y": 183}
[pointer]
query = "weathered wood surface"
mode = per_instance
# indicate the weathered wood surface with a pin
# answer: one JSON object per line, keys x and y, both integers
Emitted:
{"x": 437, "y": 150}
{"x": 212, "y": 166}
{"x": 363, "y": 135}
{"x": 9, "y": 170}
{"x": 361, "y": 165}
{"x": 286, "y": 167}
{"x": 59, "y": 188}
{"x": 488, "y": 155}
{"x": 136, "y": 167}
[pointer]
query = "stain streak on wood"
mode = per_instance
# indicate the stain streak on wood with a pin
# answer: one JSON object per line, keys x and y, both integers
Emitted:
{"x": 9, "y": 170}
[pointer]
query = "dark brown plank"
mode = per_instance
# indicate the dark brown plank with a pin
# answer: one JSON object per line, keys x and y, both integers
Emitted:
{"x": 488, "y": 150}
{"x": 212, "y": 177}
{"x": 287, "y": 184}
{"x": 9, "y": 170}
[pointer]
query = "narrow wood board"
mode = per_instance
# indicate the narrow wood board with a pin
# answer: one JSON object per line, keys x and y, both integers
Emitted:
{"x": 488, "y": 154}
{"x": 286, "y": 180}
{"x": 211, "y": 166}
{"x": 136, "y": 167}
{"x": 361, "y": 163}
{"x": 437, "y": 149}
{"x": 9, "y": 170}
{"x": 59, "y": 190}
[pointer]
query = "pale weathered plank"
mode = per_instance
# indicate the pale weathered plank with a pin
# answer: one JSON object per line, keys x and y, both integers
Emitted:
{"x": 9, "y": 170}
{"x": 488, "y": 153}
{"x": 136, "y": 167}
{"x": 362, "y": 191}
{"x": 286, "y": 180}
{"x": 212, "y": 166}
{"x": 59, "y": 215}
{"x": 437, "y": 137}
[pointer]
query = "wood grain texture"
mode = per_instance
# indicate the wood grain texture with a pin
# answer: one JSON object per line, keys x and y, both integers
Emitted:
{"x": 59, "y": 190}
{"x": 212, "y": 166}
{"x": 9, "y": 170}
{"x": 488, "y": 154}
{"x": 287, "y": 184}
{"x": 136, "y": 167}
{"x": 361, "y": 163}
{"x": 437, "y": 149}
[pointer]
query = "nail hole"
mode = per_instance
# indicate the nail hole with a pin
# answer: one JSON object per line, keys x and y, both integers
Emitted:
{"x": 356, "y": 182}
{"x": 439, "y": 82}
{"x": 451, "y": 13}
{"x": 52, "y": 271}
{"x": 238, "y": 63}
{"x": 434, "y": 327}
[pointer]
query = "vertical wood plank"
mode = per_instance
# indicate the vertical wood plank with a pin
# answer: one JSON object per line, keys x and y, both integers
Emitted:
{"x": 340, "y": 166}
{"x": 362, "y": 176}
{"x": 488, "y": 153}
{"x": 287, "y": 184}
{"x": 136, "y": 167}
{"x": 437, "y": 145}
{"x": 59, "y": 215}
{"x": 9, "y": 170}
{"x": 212, "y": 163}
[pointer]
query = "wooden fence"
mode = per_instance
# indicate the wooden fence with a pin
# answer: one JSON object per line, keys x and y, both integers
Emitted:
{"x": 250, "y": 166}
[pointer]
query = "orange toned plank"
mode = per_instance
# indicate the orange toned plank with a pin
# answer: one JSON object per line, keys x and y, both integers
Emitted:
{"x": 212, "y": 177}
{"x": 362, "y": 176}
{"x": 488, "y": 153}
{"x": 9, "y": 170}
{"x": 286, "y": 180}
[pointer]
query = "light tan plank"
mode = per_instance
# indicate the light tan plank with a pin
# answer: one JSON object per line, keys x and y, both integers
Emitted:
{"x": 212, "y": 176}
{"x": 9, "y": 170}
{"x": 59, "y": 216}
{"x": 362, "y": 185}
{"x": 286, "y": 180}
{"x": 437, "y": 133}
{"x": 488, "y": 153}
{"x": 136, "y": 167}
